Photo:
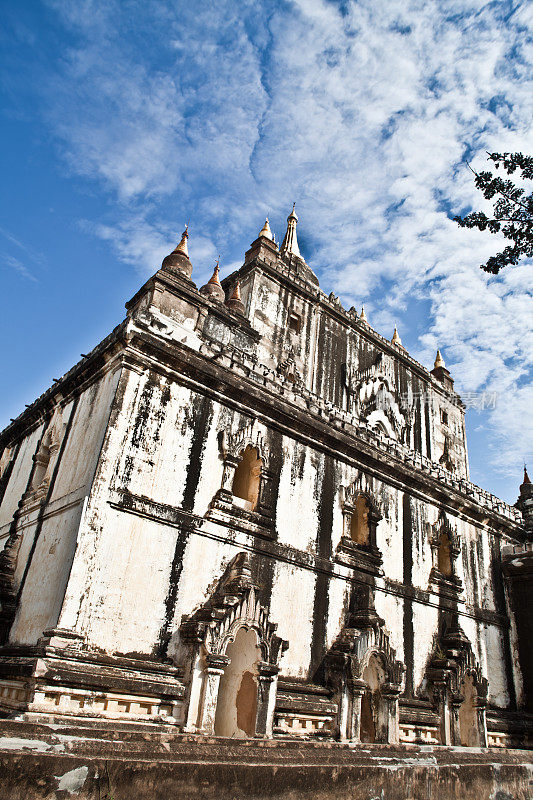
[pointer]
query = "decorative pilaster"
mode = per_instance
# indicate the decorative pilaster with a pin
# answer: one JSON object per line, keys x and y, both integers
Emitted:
{"x": 266, "y": 700}
{"x": 215, "y": 666}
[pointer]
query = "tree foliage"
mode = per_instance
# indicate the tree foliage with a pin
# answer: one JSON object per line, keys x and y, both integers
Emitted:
{"x": 512, "y": 209}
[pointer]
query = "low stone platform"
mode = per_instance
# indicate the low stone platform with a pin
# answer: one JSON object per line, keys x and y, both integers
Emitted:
{"x": 95, "y": 761}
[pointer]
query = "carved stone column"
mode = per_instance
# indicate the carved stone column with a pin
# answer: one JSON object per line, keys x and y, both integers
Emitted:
{"x": 215, "y": 666}
{"x": 357, "y": 688}
{"x": 441, "y": 699}
{"x": 336, "y": 668}
{"x": 266, "y": 700}
{"x": 391, "y": 722}
{"x": 225, "y": 491}
{"x": 195, "y": 689}
{"x": 480, "y": 705}
{"x": 266, "y": 499}
{"x": 455, "y": 727}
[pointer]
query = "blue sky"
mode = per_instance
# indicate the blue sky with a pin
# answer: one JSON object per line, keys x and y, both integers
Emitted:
{"x": 123, "y": 120}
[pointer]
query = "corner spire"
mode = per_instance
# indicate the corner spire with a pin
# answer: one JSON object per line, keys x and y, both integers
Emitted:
{"x": 214, "y": 279}
{"x": 396, "y": 338}
{"x": 439, "y": 361}
{"x": 266, "y": 232}
{"x": 178, "y": 260}
{"x": 182, "y": 247}
{"x": 213, "y": 287}
{"x": 441, "y": 373}
{"x": 525, "y": 503}
{"x": 290, "y": 241}
{"x": 363, "y": 315}
{"x": 235, "y": 303}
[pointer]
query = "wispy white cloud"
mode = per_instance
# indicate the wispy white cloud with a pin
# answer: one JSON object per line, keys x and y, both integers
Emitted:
{"x": 34, "y": 255}
{"x": 15, "y": 264}
{"x": 363, "y": 112}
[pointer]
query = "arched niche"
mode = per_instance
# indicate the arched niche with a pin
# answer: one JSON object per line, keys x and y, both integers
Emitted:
{"x": 366, "y": 678}
{"x": 236, "y": 709}
{"x": 248, "y": 485}
{"x": 444, "y": 555}
{"x": 233, "y": 655}
{"x": 458, "y": 689}
{"x": 359, "y": 521}
{"x": 361, "y": 515}
{"x": 247, "y": 477}
{"x": 43, "y": 461}
{"x": 373, "y": 707}
{"x": 357, "y": 547}
{"x": 445, "y": 547}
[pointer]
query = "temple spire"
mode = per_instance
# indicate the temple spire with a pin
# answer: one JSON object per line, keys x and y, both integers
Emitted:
{"x": 439, "y": 361}
{"x": 441, "y": 373}
{"x": 396, "y": 338}
{"x": 213, "y": 287}
{"x": 290, "y": 241}
{"x": 525, "y": 503}
{"x": 266, "y": 232}
{"x": 235, "y": 303}
{"x": 182, "y": 247}
{"x": 178, "y": 260}
{"x": 363, "y": 315}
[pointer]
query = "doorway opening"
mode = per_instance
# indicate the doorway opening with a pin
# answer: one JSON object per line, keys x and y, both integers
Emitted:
{"x": 236, "y": 711}
{"x": 372, "y": 701}
{"x": 468, "y": 729}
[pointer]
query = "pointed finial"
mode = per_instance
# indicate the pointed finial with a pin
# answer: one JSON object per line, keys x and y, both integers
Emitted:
{"x": 395, "y": 337}
{"x": 213, "y": 288}
{"x": 214, "y": 277}
{"x": 266, "y": 232}
{"x": 178, "y": 260}
{"x": 526, "y": 476}
{"x": 363, "y": 315}
{"x": 235, "y": 303}
{"x": 439, "y": 361}
{"x": 290, "y": 242}
{"x": 236, "y": 295}
{"x": 182, "y": 247}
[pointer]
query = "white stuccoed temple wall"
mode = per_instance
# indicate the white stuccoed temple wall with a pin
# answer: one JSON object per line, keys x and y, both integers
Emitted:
{"x": 129, "y": 564}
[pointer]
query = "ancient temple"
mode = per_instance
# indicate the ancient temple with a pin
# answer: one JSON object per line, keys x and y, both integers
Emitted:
{"x": 247, "y": 513}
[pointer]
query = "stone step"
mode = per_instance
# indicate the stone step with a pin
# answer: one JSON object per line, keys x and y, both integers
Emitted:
{"x": 109, "y": 743}
{"x": 56, "y": 776}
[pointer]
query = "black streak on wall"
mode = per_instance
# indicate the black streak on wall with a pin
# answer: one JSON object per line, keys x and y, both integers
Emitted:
{"x": 418, "y": 428}
{"x": 4, "y": 480}
{"x": 408, "y": 629}
{"x": 501, "y": 608}
{"x": 203, "y": 414}
{"x": 325, "y": 524}
{"x": 263, "y": 568}
{"x": 428, "y": 431}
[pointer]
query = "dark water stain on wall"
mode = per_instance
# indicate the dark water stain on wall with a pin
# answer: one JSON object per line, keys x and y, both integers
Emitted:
{"x": 203, "y": 414}
{"x": 408, "y": 627}
{"x": 321, "y": 601}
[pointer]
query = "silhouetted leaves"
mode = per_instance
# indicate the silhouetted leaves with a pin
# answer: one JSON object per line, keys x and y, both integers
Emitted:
{"x": 513, "y": 209}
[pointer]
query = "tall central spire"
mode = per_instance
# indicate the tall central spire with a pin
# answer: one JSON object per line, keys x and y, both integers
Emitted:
{"x": 290, "y": 242}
